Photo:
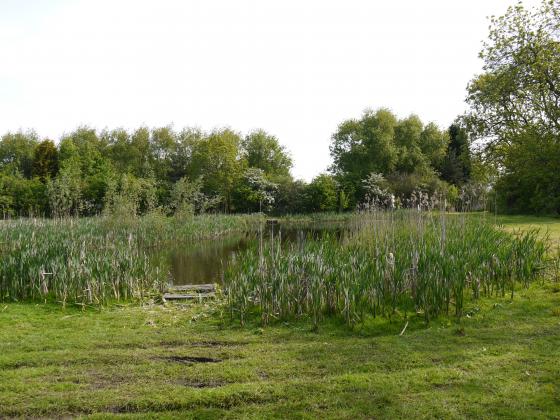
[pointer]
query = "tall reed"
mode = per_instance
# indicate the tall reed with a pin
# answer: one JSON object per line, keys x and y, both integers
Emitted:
{"x": 96, "y": 260}
{"x": 391, "y": 261}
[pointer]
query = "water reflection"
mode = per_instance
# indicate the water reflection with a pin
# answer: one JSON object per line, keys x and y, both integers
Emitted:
{"x": 204, "y": 261}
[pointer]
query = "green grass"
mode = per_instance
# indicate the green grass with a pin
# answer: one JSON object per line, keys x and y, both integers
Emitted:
{"x": 547, "y": 225}
{"x": 501, "y": 361}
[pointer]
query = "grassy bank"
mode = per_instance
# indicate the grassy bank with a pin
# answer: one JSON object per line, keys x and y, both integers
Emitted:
{"x": 502, "y": 361}
{"x": 499, "y": 361}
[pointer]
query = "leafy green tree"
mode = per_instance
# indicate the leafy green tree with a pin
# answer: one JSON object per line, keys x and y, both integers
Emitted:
{"x": 403, "y": 151}
{"x": 435, "y": 143}
{"x": 45, "y": 160}
{"x": 17, "y": 152}
{"x": 187, "y": 198}
{"x": 530, "y": 180}
{"x": 163, "y": 144}
{"x": 6, "y": 198}
{"x": 83, "y": 163}
{"x": 520, "y": 86}
{"x": 254, "y": 192}
{"x": 360, "y": 147}
{"x": 122, "y": 152}
{"x": 515, "y": 105}
{"x": 407, "y": 140}
{"x": 130, "y": 196}
{"x": 217, "y": 159}
{"x": 291, "y": 197}
{"x": 263, "y": 151}
{"x": 22, "y": 196}
{"x": 455, "y": 167}
{"x": 65, "y": 193}
{"x": 322, "y": 194}
{"x": 186, "y": 141}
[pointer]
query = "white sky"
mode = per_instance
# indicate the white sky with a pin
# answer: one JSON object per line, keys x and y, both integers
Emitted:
{"x": 296, "y": 68}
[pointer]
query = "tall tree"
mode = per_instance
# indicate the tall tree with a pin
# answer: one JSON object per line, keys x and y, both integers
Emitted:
{"x": 217, "y": 159}
{"x": 455, "y": 167}
{"x": 322, "y": 194}
{"x": 163, "y": 145}
{"x": 520, "y": 86}
{"x": 515, "y": 104}
{"x": 408, "y": 134}
{"x": 17, "y": 151}
{"x": 263, "y": 151}
{"x": 186, "y": 141}
{"x": 404, "y": 151}
{"x": 360, "y": 147}
{"x": 434, "y": 144}
{"x": 45, "y": 160}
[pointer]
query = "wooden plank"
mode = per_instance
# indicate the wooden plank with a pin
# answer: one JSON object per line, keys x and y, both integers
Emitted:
{"x": 177, "y": 296}
{"x": 193, "y": 287}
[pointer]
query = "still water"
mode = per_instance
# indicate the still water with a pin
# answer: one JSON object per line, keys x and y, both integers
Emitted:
{"x": 204, "y": 261}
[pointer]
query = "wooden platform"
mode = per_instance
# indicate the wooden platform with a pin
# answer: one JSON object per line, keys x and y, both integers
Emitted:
{"x": 190, "y": 292}
{"x": 200, "y": 288}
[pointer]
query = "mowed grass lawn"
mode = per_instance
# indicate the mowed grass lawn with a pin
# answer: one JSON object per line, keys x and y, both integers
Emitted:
{"x": 546, "y": 225}
{"x": 503, "y": 360}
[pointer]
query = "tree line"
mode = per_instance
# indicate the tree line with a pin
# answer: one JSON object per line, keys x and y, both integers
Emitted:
{"x": 89, "y": 172}
{"x": 191, "y": 171}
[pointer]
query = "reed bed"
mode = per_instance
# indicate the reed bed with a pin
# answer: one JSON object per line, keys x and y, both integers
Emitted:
{"x": 405, "y": 262}
{"x": 95, "y": 260}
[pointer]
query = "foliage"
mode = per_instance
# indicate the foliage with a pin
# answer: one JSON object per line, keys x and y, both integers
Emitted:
{"x": 187, "y": 198}
{"x": 381, "y": 143}
{"x": 21, "y": 196}
{"x": 92, "y": 172}
{"x": 519, "y": 87}
{"x": 65, "y": 193}
{"x": 254, "y": 192}
{"x": 291, "y": 197}
{"x": 377, "y": 193}
{"x": 17, "y": 152}
{"x": 128, "y": 196}
{"x": 529, "y": 182}
{"x": 455, "y": 165}
{"x": 216, "y": 158}
{"x": 45, "y": 160}
{"x": 515, "y": 106}
{"x": 322, "y": 194}
{"x": 264, "y": 152}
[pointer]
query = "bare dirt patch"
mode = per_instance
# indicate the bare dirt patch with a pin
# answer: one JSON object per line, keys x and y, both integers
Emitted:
{"x": 192, "y": 359}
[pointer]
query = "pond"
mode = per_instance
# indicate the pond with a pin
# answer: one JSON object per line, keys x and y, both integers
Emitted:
{"x": 204, "y": 261}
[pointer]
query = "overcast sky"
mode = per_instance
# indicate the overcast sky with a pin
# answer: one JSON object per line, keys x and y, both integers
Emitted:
{"x": 295, "y": 68}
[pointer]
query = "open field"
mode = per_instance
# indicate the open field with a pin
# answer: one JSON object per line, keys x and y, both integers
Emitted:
{"x": 546, "y": 225}
{"x": 501, "y": 360}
